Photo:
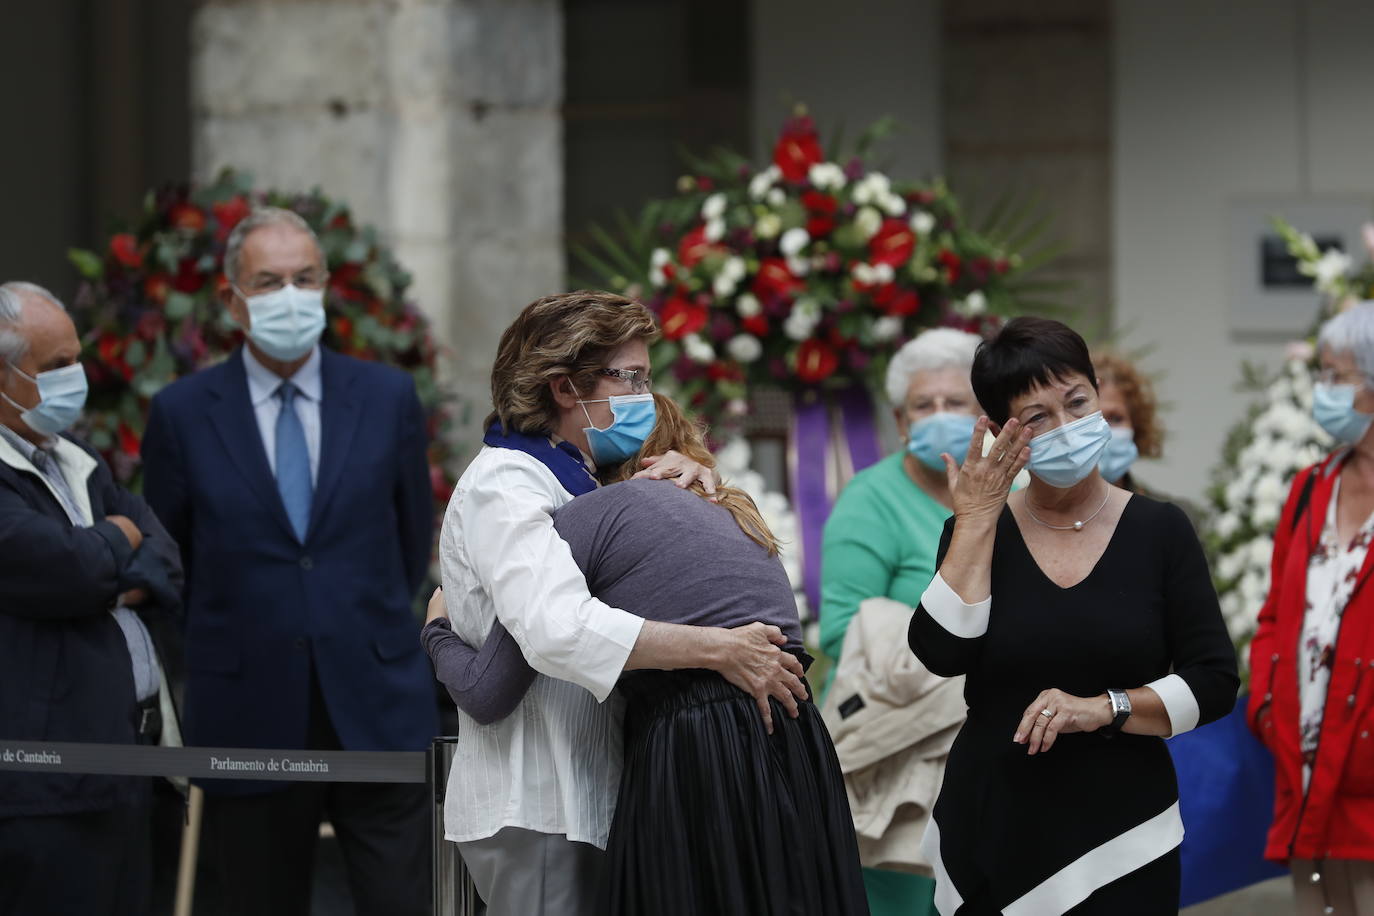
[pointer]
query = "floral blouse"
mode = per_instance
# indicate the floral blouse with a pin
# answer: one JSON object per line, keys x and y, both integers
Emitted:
{"x": 1332, "y": 573}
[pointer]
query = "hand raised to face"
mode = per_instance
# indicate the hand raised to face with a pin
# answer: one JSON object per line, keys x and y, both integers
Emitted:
{"x": 979, "y": 488}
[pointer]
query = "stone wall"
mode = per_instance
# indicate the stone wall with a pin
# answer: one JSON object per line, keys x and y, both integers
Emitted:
{"x": 438, "y": 120}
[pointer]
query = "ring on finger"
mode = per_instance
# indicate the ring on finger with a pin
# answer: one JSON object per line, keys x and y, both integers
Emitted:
{"x": 1047, "y": 713}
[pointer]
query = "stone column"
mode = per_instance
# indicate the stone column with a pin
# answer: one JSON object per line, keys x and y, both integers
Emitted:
{"x": 436, "y": 120}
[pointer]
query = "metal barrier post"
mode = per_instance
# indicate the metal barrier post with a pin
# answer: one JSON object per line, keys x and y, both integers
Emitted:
{"x": 454, "y": 894}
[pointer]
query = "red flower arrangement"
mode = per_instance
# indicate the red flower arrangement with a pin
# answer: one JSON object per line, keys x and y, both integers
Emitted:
{"x": 805, "y": 273}
{"x": 149, "y": 308}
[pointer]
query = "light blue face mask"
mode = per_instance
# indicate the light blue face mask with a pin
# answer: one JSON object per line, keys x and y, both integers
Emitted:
{"x": 940, "y": 432}
{"x": 286, "y": 322}
{"x": 1067, "y": 454}
{"x": 61, "y": 398}
{"x": 1333, "y": 407}
{"x": 635, "y": 416}
{"x": 1119, "y": 454}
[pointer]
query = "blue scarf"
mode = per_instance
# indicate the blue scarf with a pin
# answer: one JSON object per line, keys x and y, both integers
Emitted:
{"x": 563, "y": 459}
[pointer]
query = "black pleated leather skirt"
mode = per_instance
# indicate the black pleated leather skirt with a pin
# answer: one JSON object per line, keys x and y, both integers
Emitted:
{"x": 715, "y": 816}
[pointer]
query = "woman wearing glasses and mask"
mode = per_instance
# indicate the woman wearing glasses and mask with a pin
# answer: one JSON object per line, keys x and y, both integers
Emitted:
{"x": 530, "y": 796}
{"x": 1086, "y": 624}
{"x": 1312, "y": 658}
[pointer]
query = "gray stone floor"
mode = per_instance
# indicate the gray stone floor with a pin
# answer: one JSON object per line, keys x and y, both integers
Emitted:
{"x": 1270, "y": 898}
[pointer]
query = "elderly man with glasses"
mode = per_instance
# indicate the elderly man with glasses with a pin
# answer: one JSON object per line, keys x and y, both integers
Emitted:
{"x": 295, "y": 481}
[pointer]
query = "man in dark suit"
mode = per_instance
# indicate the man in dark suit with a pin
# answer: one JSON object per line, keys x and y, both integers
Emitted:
{"x": 77, "y": 662}
{"x": 296, "y": 483}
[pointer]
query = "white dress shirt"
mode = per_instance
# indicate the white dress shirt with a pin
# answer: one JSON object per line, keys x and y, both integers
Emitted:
{"x": 262, "y": 392}
{"x": 553, "y": 765}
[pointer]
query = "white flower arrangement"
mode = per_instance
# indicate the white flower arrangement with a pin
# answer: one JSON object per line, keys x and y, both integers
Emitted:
{"x": 1263, "y": 455}
{"x": 732, "y": 461}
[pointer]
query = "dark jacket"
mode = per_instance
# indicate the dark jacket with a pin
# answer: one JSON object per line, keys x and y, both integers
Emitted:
{"x": 265, "y": 612}
{"x": 1334, "y": 817}
{"x": 65, "y": 672}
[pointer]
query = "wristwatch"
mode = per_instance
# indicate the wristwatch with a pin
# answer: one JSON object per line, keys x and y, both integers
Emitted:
{"x": 1121, "y": 710}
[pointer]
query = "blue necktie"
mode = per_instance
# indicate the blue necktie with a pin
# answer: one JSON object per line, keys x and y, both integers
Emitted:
{"x": 293, "y": 462}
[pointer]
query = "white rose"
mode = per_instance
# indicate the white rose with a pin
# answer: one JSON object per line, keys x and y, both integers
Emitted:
{"x": 776, "y": 197}
{"x": 892, "y": 205}
{"x": 735, "y": 268}
{"x": 747, "y": 305}
{"x": 1266, "y": 513}
{"x": 723, "y": 285}
{"x": 1261, "y": 551}
{"x": 1226, "y": 525}
{"x": 826, "y": 176}
{"x": 975, "y": 303}
{"x": 798, "y": 325}
{"x": 737, "y": 407}
{"x": 887, "y": 327}
{"x": 760, "y": 183}
{"x": 922, "y": 222}
{"x": 657, "y": 261}
{"x": 1330, "y": 267}
{"x": 698, "y": 350}
{"x": 768, "y": 226}
{"x": 793, "y": 241}
{"x": 1230, "y": 565}
{"x": 715, "y": 229}
{"x": 863, "y": 274}
{"x": 713, "y": 207}
{"x": 733, "y": 457}
{"x": 883, "y": 274}
{"x": 868, "y": 221}
{"x": 799, "y": 267}
{"x": 745, "y": 347}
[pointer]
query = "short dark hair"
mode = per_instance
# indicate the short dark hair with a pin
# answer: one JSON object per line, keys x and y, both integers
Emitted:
{"x": 1027, "y": 352}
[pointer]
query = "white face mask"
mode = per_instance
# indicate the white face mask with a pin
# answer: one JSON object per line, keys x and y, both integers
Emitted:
{"x": 286, "y": 322}
{"x": 61, "y": 398}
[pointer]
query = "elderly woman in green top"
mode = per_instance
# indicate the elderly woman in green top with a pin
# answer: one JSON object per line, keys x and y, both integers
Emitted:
{"x": 881, "y": 538}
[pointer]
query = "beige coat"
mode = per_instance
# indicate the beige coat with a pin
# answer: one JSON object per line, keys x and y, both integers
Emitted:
{"x": 893, "y": 736}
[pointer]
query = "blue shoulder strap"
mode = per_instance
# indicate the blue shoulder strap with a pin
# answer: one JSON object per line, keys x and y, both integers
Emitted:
{"x": 563, "y": 460}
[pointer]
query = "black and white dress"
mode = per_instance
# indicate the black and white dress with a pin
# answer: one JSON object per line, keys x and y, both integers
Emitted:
{"x": 1091, "y": 826}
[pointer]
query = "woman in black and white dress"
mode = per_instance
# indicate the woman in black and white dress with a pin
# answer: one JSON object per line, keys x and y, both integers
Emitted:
{"x": 1085, "y": 620}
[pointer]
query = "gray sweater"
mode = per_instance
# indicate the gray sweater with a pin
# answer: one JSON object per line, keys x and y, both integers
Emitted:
{"x": 648, "y": 547}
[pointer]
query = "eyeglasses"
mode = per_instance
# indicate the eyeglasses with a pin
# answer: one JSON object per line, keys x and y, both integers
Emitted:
{"x": 638, "y": 380}
{"x": 270, "y": 283}
{"x": 1336, "y": 377}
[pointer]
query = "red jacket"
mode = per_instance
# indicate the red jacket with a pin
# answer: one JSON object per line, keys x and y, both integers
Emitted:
{"x": 1335, "y": 817}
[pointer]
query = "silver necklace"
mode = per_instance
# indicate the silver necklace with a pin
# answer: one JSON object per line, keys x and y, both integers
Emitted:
{"x": 1076, "y": 526}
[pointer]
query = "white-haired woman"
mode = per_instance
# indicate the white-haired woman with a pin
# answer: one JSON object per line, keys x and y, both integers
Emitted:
{"x": 1312, "y": 659}
{"x": 880, "y": 542}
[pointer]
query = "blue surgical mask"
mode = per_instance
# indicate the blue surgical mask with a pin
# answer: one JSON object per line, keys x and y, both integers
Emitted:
{"x": 1069, "y": 453}
{"x": 286, "y": 322}
{"x": 1119, "y": 454}
{"x": 634, "y": 418}
{"x": 61, "y": 398}
{"x": 940, "y": 432}
{"x": 1333, "y": 407}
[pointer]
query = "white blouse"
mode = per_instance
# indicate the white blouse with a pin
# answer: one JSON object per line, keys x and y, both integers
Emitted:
{"x": 553, "y": 765}
{"x": 1332, "y": 573}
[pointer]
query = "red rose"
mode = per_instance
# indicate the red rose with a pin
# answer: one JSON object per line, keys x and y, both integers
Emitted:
{"x": 894, "y": 301}
{"x": 819, "y": 203}
{"x": 189, "y": 278}
{"x": 816, "y": 360}
{"x": 798, "y": 149}
{"x": 952, "y": 263}
{"x": 818, "y": 227}
{"x": 128, "y": 440}
{"x": 228, "y": 213}
{"x": 694, "y": 247}
{"x": 1001, "y": 265}
{"x": 343, "y": 327}
{"x": 775, "y": 281}
{"x": 187, "y": 217}
{"x": 347, "y": 282}
{"x": 682, "y": 317}
{"x": 892, "y": 244}
{"x": 757, "y": 325}
{"x": 124, "y": 249}
{"x": 719, "y": 371}
{"x": 156, "y": 287}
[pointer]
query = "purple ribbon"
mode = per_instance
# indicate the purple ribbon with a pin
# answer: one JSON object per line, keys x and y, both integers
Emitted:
{"x": 811, "y": 464}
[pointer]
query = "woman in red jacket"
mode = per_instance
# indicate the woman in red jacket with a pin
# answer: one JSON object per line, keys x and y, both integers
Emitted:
{"x": 1312, "y": 660}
